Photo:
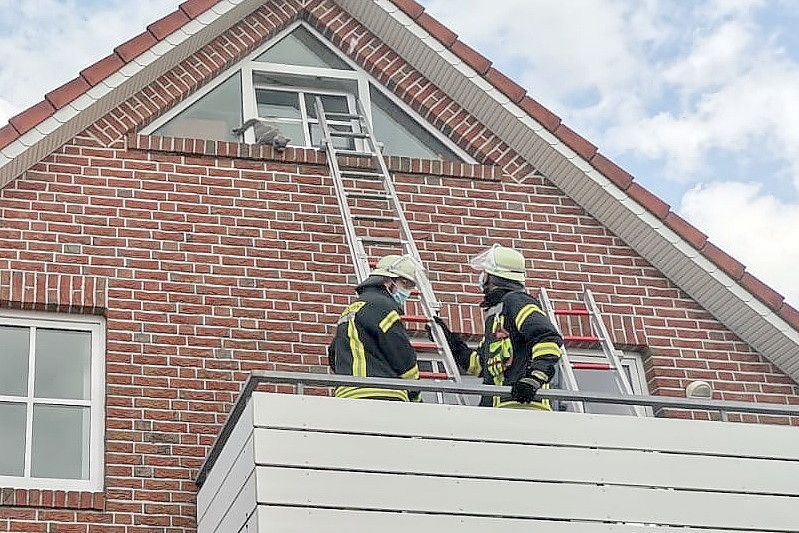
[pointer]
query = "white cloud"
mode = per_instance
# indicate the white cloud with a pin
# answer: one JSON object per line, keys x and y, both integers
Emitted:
{"x": 757, "y": 110}
{"x": 48, "y": 42}
{"x": 690, "y": 91}
{"x": 581, "y": 50}
{"x": 714, "y": 60}
{"x": 755, "y": 228}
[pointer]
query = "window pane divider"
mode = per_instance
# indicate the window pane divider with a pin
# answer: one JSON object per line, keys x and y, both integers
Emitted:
{"x": 29, "y": 412}
{"x": 59, "y": 401}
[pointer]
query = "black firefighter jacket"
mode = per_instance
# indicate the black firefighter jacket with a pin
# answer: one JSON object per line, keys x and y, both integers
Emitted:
{"x": 371, "y": 340}
{"x": 519, "y": 340}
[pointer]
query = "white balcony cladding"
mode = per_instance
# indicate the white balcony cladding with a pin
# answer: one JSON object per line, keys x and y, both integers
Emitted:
{"x": 306, "y": 463}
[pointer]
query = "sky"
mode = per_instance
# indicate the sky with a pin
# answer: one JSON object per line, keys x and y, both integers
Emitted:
{"x": 699, "y": 100}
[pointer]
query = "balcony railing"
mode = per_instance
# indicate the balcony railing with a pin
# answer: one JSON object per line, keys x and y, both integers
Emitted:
{"x": 291, "y": 462}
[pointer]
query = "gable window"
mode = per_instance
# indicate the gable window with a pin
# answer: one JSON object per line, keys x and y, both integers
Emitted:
{"x": 300, "y": 47}
{"x": 279, "y": 83}
{"x": 51, "y": 401}
{"x": 211, "y": 117}
{"x": 288, "y": 104}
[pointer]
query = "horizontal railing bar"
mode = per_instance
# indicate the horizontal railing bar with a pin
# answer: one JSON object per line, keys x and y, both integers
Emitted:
{"x": 258, "y": 377}
{"x": 335, "y": 380}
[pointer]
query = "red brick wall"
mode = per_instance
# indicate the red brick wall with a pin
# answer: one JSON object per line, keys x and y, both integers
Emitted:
{"x": 208, "y": 266}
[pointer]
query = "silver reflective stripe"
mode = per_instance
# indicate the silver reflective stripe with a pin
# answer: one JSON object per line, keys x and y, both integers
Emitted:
{"x": 497, "y": 309}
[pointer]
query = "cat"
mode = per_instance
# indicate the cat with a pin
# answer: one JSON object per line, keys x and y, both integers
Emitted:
{"x": 265, "y": 133}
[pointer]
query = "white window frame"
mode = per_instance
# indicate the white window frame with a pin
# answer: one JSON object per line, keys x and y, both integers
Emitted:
{"x": 96, "y": 403}
{"x": 629, "y": 360}
{"x": 249, "y": 66}
{"x": 305, "y": 119}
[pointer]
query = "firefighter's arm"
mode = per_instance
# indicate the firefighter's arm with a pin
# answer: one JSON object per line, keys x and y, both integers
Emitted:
{"x": 331, "y": 355}
{"x": 467, "y": 359}
{"x": 542, "y": 337}
{"x": 395, "y": 343}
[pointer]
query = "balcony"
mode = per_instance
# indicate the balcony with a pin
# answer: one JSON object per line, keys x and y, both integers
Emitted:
{"x": 299, "y": 463}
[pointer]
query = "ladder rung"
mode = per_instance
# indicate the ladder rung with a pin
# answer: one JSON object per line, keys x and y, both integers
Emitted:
{"x": 368, "y": 195}
{"x": 350, "y": 134}
{"x": 580, "y": 338}
{"x": 361, "y": 174}
{"x": 374, "y": 218}
{"x": 433, "y": 375}
{"x": 355, "y": 153}
{"x": 581, "y": 312}
{"x": 381, "y": 240}
{"x": 416, "y": 319}
{"x": 591, "y": 366}
{"x": 351, "y": 116}
{"x": 424, "y": 346}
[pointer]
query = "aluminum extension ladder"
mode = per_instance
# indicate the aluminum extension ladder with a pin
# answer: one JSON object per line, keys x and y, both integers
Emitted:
{"x": 437, "y": 352}
{"x": 599, "y": 333}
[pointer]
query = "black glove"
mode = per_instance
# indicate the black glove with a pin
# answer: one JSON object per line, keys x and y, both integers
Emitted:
{"x": 524, "y": 390}
{"x": 331, "y": 357}
{"x": 447, "y": 332}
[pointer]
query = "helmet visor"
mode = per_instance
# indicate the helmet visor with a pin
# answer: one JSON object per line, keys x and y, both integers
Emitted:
{"x": 484, "y": 260}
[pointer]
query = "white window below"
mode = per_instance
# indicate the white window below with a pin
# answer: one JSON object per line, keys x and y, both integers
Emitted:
{"x": 51, "y": 401}
{"x": 590, "y": 370}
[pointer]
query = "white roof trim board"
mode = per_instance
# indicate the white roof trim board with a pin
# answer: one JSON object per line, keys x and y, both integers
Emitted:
{"x": 717, "y": 292}
{"x": 79, "y": 114}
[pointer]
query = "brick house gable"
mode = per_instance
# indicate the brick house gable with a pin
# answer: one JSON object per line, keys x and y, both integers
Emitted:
{"x": 194, "y": 13}
{"x": 211, "y": 259}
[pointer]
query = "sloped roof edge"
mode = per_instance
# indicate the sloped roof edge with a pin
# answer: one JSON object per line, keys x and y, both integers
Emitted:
{"x": 749, "y": 307}
{"x": 29, "y": 137}
{"x": 36, "y": 132}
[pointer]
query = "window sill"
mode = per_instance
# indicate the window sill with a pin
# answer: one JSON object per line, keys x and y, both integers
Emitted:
{"x": 312, "y": 156}
{"x": 52, "y": 499}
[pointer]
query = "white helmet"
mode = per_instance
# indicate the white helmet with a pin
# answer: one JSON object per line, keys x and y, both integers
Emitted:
{"x": 502, "y": 262}
{"x": 397, "y": 266}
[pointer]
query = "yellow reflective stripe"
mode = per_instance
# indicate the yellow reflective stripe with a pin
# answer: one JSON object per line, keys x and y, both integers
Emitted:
{"x": 512, "y": 404}
{"x": 413, "y": 373}
{"x": 543, "y": 405}
{"x": 387, "y": 322}
{"x": 526, "y": 311}
{"x": 546, "y": 348}
{"x": 350, "y": 310}
{"x": 358, "y": 352}
{"x": 369, "y": 392}
{"x": 475, "y": 368}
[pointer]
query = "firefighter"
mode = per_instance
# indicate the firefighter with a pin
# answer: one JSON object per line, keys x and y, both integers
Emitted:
{"x": 371, "y": 340}
{"x": 520, "y": 346}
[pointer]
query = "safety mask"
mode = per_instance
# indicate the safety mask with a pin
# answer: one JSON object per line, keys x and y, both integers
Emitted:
{"x": 401, "y": 296}
{"x": 481, "y": 281}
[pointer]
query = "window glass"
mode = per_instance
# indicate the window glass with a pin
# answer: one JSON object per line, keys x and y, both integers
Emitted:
{"x": 12, "y": 439}
{"x": 346, "y": 143}
{"x": 211, "y": 117}
{"x": 401, "y": 135}
{"x": 63, "y": 364}
{"x": 332, "y": 103}
{"x": 602, "y": 381}
{"x": 60, "y": 442}
{"x": 282, "y": 104}
{"x": 300, "y": 47}
{"x": 14, "y": 348}
{"x": 292, "y": 130}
